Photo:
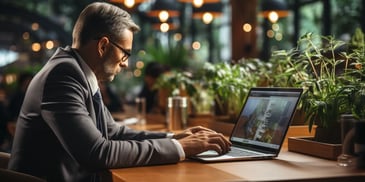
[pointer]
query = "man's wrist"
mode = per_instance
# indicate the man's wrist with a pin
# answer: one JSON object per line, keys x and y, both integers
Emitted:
{"x": 180, "y": 150}
{"x": 170, "y": 135}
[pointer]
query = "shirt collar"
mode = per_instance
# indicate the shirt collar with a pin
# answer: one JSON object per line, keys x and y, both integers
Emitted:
{"x": 90, "y": 75}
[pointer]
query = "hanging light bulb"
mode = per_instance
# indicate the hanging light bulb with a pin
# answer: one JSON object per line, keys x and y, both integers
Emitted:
{"x": 49, "y": 44}
{"x": 36, "y": 47}
{"x": 198, "y": 3}
{"x": 274, "y": 9}
{"x": 164, "y": 27}
{"x": 247, "y": 27}
{"x": 207, "y": 17}
{"x": 273, "y": 16}
{"x": 208, "y": 12}
{"x": 129, "y": 3}
{"x": 163, "y": 16}
{"x": 164, "y": 10}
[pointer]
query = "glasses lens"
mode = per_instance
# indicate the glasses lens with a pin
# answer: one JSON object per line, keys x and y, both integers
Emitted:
{"x": 126, "y": 53}
{"x": 125, "y": 57}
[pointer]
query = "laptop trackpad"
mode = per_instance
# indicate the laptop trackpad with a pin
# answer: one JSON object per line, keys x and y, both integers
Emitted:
{"x": 234, "y": 152}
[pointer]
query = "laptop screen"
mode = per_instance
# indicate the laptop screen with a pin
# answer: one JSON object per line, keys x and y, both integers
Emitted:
{"x": 265, "y": 117}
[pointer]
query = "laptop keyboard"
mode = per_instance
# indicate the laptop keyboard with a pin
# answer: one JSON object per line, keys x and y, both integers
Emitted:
{"x": 236, "y": 152}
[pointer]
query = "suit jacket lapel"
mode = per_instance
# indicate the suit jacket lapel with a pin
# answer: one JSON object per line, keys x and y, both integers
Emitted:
{"x": 89, "y": 103}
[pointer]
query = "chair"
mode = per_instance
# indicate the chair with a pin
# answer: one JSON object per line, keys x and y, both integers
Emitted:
{"x": 4, "y": 160}
{"x": 7, "y": 175}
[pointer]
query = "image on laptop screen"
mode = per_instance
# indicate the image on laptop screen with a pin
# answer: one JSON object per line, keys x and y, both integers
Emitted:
{"x": 265, "y": 118}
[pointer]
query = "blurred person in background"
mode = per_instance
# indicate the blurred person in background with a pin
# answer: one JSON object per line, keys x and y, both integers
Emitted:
{"x": 10, "y": 110}
{"x": 5, "y": 136}
{"x": 152, "y": 71}
{"x": 16, "y": 99}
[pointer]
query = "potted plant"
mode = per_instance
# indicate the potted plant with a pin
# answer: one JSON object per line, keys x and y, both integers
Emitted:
{"x": 356, "y": 76}
{"x": 175, "y": 57}
{"x": 326, "y": 69}
{"x": 225, "y": 84}
{"x": 230, "y": 83}
{"x": 174, "y": 83}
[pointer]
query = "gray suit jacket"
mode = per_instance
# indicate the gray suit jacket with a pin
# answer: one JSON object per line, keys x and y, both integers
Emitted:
{"x": 56, "y": 136}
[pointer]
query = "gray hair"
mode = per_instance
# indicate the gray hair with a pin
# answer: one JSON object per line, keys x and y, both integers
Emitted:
{"x": 102, "y": 19}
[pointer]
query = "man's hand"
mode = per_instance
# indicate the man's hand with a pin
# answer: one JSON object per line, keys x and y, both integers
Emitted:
{"x": 191, "y": 131}
{"x": 200, "y": 139}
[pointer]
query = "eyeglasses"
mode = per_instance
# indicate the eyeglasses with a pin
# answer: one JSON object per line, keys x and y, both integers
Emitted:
{"x": 127, "y": 54}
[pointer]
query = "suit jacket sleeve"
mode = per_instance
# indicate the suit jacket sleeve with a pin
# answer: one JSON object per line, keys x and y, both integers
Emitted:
{"x": 118, "y": 132}
{"x": 67, "y": 108}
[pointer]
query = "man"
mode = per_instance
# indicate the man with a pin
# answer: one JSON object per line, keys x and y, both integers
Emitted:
{"x": 152, "y": 71}
{"x": 61, "y": 137}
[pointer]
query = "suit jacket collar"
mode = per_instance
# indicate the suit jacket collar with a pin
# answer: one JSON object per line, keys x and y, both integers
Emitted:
{"x": 89, "y": 74}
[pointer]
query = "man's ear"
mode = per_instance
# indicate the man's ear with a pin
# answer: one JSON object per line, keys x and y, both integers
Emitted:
{"x": 102, "y": 46}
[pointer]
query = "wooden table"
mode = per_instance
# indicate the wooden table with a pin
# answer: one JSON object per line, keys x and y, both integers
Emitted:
{"x": 288, "y": 166}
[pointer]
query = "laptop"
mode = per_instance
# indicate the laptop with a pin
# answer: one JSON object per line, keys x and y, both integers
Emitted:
{"x": 261, "y": 126}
